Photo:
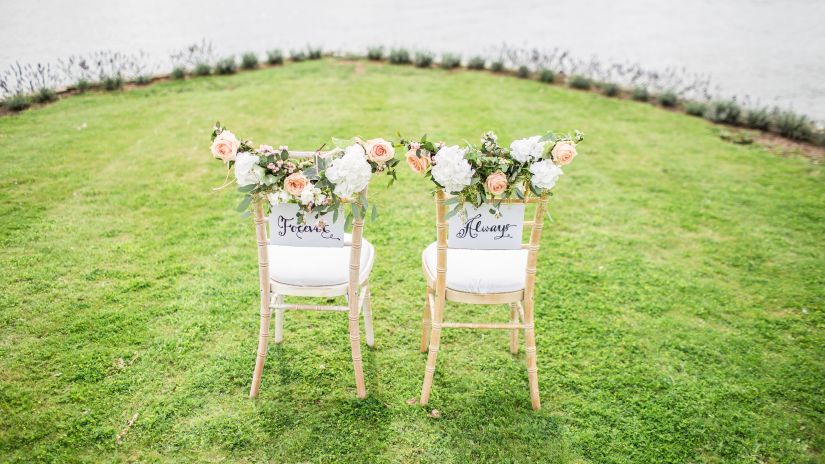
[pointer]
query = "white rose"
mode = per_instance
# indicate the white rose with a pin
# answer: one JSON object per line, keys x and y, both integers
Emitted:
{"x": 310, "y": 194}
{"x": 545, "y": 174}
{"x": 278, "y": 198}
{"x": 451, "y": 170}
{"x": 528, "y": 149}
{"x": 350, "y": 173}
{"x": 247, "y": 171}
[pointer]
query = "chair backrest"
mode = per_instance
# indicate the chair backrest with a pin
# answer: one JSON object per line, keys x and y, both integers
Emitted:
{"x": 515, "y": 230}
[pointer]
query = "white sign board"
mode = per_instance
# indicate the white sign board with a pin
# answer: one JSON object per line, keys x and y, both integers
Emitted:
{"x": 286, "y": 229}
{"x": 480, "y": 229}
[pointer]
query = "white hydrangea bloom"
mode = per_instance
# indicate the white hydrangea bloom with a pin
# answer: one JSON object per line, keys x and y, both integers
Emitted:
{"x": 545, "y": 174}
{"x": 278, "y": 198}
{"x": 247, "y": 171}
{"x": 350, "y": 173}
{"x": 528, "y": 149}
{"x": 451, "y": 170}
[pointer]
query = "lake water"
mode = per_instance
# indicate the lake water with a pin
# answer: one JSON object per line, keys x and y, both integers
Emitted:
{"x": 771, "y": 50}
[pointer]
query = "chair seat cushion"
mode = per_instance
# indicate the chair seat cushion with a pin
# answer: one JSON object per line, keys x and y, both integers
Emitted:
{"x": 317, "y": 266}
{"x": 480, "y": 271}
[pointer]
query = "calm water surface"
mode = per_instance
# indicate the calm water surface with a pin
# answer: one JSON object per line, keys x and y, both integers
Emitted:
{"x": 771, "y": 50}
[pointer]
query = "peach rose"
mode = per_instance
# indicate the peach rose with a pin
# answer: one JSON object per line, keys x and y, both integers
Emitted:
{"x": 379, "y": 150}
{"x": 295, "y": 183}
{"x": 418, "y": 164}
{"x": 496, "y": 183}
{"x": 564, "y": 152}
{"x": 225, "y": 146}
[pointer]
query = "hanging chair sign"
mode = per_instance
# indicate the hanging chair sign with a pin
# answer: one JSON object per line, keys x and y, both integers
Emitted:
{"x": 480, "y": 229}
{"x": 285, "y": 228}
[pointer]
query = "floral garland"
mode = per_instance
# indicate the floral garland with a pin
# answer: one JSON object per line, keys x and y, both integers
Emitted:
{"x": 318, "y": 185}
{"x": 490, "y": 172}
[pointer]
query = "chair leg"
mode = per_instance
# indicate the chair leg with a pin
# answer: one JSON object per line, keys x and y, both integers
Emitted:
{"x": 279, "y": 320}
{"x": 355, "y": 344}
{"x": 425, "y": 322}
{"x": 368, "y": 331}
{"x": 514, "y": 319}
{"x": 532, "y": 367}
{"x": 263, "y": 346}
{"x": 435, "y": 341}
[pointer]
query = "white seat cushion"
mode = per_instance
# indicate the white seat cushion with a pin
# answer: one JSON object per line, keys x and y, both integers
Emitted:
{"x": 480, "y": 271}
{"x": 317, "y": 266}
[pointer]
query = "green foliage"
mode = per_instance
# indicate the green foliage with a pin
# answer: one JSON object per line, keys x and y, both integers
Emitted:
{"x": 202, "y": 69}
{"x": 477, "y": 63}
{"x": 547, "y": 76}
{"x": 497, "y": 66}
{"x": 400, "y": 56}
{"x": 314, "y": 53}
{"x": 579, "y": 82}
{"x": 668, "y": 98}
{"x": 249, "y": 60}
{"x": 82, "y": 85}
{"x": 640, "y": 94}
{"x": 726, "y": 112}
{"x": 275, "y": 57}
{"x": 450, "y": 61}
{"x": 375, "y": 53}
{"x": 758, "y": 118}
{"x": 112, "y": 83}
{"x": 178, "y": 73}
{"x": 696, "y": 108}
{"x": 17, "y": 102}
{"x": 297, "y": 55}
{"x": 793, "y": 126}
{"x": 423, "y": 59}
{"x": 679, "y": 312}
{"x": 226, "y": 66}
{"x": 44, "y": 95}
{"x": 523, "y": 72}
{"x": 610, "y": 89}
{"x": 143, "y": 79}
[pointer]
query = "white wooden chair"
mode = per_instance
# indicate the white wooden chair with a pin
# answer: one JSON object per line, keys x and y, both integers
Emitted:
{"x": 478, "y": 276}
{"x": 314, "y": 272}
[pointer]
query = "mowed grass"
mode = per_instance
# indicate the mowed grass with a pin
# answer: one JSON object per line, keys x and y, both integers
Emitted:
{"x": 679, "y": 298}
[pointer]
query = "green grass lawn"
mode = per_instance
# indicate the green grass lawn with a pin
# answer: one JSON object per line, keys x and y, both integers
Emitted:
{"x": 680, "y": 294}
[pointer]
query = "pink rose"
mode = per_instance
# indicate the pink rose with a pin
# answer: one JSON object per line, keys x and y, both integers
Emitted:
{"x": 225, "y": 146}
{"x": 564, "y": 152}
{"x": 496, "y": 183}
{"x": 379, "y": 150}
{"x": 295, "y": 183}
{"x": 418, "y": 164}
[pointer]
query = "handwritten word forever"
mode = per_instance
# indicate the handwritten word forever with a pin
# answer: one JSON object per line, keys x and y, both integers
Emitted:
{"x": 290, "y": 225}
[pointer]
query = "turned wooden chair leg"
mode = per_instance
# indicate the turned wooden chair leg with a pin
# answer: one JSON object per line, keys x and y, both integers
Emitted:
{"x": 425, "y": 322}
{"x": 263, "y": 346}
{"x": 435, "y": 342}
{"x": 279, "y": 320}
{"x": 514, "y": 319}
{"x": 532, "y": 366}
{"x": 355, "y": 344}
{"x": 368, "y": 331}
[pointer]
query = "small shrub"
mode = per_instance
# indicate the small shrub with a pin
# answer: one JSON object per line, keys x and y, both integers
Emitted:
{"x": 758, "y": 118}
{"x": 275, "y": 56}
{"x": 640, "y": 94}
{"x": 423, "y": 59}
{"x": 112, "y": 83}
{"x": 178, "y": 73}
{"x": 226, "y": 66}
{"x": 497, "y": 66}
{"x": 547, "y": 76}
{"x": 297, "y": 55}
{"x": 726, "y": 112}
{"x": 314, "y": 53}
{"x": 143, "y": 79}
{"x": 820, "y": 138}
{"x": 44, "y": 95}
{"x": 82, "y": 85}
{"x": 375, "y": 53}
{"x": 476, "y": 62}
{"x": 450, "y": 61}
{"x": 695, "y": 108}
{"x": 579, "y": 82}
{"x": 667, "y": 98}
{"x": 249, "y": 61}
{"x": 610, "y": 89}
{"x": 17, "y": 102}
{"x": 400, "y": 56}
{"x": 202, "y": 69}
{"x": 793, "y": 126}
{"x": 523, "y": 72}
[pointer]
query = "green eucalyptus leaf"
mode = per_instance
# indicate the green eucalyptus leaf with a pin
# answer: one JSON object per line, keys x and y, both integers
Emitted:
{"x": 244, "y": 204}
